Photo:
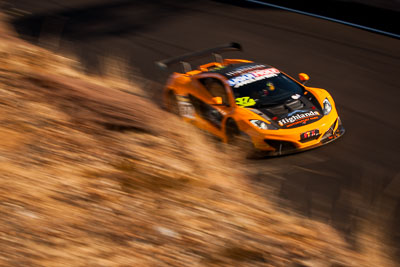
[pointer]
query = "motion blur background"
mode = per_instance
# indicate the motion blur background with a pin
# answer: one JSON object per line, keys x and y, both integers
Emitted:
{"x": 352, "y": 185}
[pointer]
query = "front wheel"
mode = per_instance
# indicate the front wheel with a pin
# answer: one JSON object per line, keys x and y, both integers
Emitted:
{"x": 240, "y": 140}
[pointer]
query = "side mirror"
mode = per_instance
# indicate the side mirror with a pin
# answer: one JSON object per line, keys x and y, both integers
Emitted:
{"x": 217, "y": 100}
{"x": 303, "y": 78}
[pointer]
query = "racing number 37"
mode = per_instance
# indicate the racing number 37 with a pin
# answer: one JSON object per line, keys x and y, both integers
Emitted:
{"x": 245, "y": 101}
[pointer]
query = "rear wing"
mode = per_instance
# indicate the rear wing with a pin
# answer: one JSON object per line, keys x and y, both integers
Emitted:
{"x": 183, "y": 59}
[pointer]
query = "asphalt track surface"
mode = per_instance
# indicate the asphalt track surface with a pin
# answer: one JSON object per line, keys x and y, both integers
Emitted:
{"x": 356, "y": 176}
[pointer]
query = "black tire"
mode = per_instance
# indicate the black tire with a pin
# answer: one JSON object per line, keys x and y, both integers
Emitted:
{"x": 240, "y": 140}
{"x": 232, "y": 132}
{"x": 172, "y": 103}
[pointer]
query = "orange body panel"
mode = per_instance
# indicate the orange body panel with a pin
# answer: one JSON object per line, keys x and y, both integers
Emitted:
{"x": 187, "y": 87}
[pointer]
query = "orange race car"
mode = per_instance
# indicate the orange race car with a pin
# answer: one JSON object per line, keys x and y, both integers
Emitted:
{"x": 236, "y": 100}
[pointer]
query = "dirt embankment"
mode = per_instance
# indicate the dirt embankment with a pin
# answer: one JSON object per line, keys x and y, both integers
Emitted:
{"x": 91, "y": 173}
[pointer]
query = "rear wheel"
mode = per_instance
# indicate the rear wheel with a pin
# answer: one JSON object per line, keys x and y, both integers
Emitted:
{"x": 172, "y": 103}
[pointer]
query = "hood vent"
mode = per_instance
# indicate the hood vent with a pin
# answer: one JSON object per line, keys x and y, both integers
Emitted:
{"x": 293, "y": 113}
{"x": 294, "y": 105}
{"x": 277, "y": 110}
{"x": 285, "y": 108}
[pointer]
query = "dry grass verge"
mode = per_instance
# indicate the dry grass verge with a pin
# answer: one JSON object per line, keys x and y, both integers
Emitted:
{"x": 93, "y": 175}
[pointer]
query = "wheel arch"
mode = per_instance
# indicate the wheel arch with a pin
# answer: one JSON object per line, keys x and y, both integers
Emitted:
{"x": 230, "y": 127}
{"x": 169, "y": 93}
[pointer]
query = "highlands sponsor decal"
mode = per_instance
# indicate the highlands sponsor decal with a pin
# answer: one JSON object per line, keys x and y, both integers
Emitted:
{"x": 298, "y": 117}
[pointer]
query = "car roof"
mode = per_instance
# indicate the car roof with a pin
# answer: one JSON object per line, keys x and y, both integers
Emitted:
{"x": 233, "y": 70}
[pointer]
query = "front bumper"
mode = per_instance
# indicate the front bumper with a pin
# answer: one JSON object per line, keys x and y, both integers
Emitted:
{"x": 285, "y": 150}
{"x": 288, "y": 142}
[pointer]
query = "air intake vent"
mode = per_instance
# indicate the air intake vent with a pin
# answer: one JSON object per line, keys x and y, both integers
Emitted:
{"x": 277, "y": 110}
{"x": 281, "y": 146}
{"x": 294, "y": 105}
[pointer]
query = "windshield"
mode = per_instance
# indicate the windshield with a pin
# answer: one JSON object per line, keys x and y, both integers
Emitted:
{"x": 271, "y": 88}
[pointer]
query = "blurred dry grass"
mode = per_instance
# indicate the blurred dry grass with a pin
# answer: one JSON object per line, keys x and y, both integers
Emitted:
{"x": 92, "y": 174}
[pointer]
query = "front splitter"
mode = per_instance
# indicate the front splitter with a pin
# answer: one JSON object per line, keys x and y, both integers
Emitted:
{"x": 338, "y": 133}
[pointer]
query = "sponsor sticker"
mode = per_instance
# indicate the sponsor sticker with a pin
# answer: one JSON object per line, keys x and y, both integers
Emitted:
{"x": 243, "y": 69}
{"x": 299, "y": 118}
{"x": 253, "y": 77}
{"x": 309, "y": 134}
{"x": 186, "y": 109}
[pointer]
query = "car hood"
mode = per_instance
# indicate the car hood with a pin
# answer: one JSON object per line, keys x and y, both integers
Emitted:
{"x": 293, "y": 113}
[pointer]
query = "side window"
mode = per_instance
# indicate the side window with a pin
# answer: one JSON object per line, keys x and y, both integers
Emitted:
{"x": 216, "y": 88}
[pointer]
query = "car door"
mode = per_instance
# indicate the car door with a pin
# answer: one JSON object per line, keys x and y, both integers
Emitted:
{"x": 210, "y": 115}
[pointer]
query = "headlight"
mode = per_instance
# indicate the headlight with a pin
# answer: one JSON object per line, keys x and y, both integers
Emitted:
{"x": 327, "y": 107}
{"x": 263, "y": 125}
